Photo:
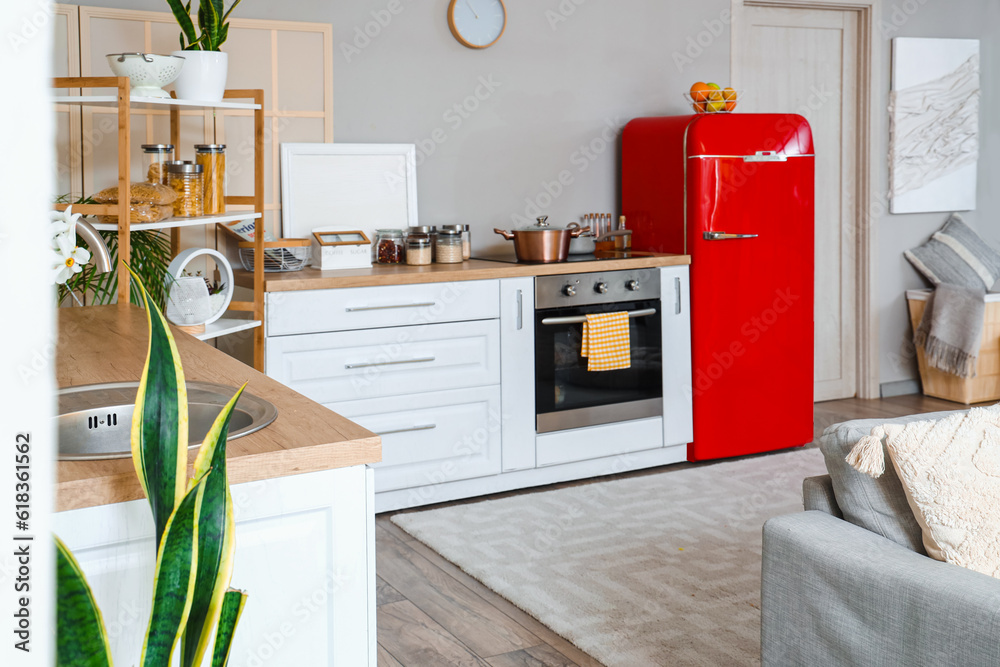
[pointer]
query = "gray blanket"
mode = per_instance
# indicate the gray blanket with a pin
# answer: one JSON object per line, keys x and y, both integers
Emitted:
{"x": 952, "y": 329}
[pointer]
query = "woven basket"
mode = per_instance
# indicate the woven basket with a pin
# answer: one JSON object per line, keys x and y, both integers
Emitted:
{"x": 986, "y": 385}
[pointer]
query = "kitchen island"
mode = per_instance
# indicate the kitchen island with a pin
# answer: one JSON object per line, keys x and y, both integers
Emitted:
{"x": 302, "y": 493}
{"x": 445, "y": 362}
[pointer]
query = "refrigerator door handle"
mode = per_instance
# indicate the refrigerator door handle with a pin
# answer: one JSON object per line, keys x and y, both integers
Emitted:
{"x": 765, "y": 156}
{"x": 722, "y": 236}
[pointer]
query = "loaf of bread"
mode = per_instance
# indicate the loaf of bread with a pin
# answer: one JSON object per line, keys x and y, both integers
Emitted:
{"x": 141, "y": 193}
{"x": 141, "y": 213}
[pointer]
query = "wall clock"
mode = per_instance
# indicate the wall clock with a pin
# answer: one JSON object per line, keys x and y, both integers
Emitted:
{"x": 477, "y": 24}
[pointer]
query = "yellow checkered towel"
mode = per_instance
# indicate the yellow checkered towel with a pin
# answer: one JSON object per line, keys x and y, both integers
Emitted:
{"x": 606, "y": 342}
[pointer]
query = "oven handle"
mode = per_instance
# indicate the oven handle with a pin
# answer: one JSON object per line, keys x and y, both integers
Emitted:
{"x": 580, "y": 319}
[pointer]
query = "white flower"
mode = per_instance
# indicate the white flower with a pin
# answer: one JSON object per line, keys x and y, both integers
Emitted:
{"x": 68, "y": 258}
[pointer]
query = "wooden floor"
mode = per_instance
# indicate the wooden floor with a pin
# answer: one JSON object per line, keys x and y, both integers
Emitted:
{"x": 431, "y": 614}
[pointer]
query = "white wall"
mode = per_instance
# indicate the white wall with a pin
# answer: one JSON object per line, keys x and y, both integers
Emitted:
{"x": 559, "y": 85}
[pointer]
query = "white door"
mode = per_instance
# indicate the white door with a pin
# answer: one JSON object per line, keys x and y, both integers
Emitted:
{"x": 805, "y": 61}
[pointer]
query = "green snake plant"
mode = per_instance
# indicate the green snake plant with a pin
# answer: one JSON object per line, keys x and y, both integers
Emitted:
{"x": 211, "y": 20}
{"x": 194, "y": 528}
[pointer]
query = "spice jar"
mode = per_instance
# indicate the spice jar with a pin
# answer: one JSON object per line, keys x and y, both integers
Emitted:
{"x": 389, "y": 246}
{"x": 187, "y": 180}
{"x": 418, "y": 250}
{"x": 466, "y": 239}
{"x": 449, "y": 246}
{"x": 212, "y": 158}
{"x": 154, "y": 159}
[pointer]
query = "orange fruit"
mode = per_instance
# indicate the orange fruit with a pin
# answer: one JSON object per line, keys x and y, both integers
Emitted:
{"x": 699, "y": 107}
{"x": 699, "y": 92}
{"x": 729, "y": 95}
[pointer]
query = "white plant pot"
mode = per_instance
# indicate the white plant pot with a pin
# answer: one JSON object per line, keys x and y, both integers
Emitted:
{"x": 203, "y": 77}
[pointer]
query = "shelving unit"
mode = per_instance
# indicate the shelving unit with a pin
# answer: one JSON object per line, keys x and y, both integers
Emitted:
{"x": 253, "y": 310}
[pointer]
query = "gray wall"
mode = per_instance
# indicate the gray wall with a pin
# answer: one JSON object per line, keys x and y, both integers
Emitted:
{"x": 567, "y": 75}
{"x": 968, "y": 19}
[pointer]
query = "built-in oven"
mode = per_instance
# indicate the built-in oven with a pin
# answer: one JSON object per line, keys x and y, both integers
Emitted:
{"x": 569, "y": 396}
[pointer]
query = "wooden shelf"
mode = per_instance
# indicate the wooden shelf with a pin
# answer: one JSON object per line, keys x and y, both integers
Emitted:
{"x": 225, "y": 326}
{"x": 174, "y": 223}
{"x": 151, "y": 103}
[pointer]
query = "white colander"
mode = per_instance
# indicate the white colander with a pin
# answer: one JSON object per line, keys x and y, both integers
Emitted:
{"x": 148, "y": 73}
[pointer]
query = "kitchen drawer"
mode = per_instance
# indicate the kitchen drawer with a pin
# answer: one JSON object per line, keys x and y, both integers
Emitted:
{"x": 354, "y": 365}
{"x": 316, "y": 311}
{"x": 432, "y": 438}
{"x": 596, "y": 442}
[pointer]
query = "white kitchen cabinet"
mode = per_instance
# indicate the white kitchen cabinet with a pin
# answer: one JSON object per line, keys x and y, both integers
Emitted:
{"x": 431, "y": 438}
{"x": 678, "y": 418}
{"x": 372, "y": 363}
{"x": 355, "y": 308}
{"x": 517, "y": 372}
{"x": 305, "y": 549}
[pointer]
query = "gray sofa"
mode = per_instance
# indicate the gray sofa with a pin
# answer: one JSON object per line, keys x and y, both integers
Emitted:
{"x": 847, "y": 581}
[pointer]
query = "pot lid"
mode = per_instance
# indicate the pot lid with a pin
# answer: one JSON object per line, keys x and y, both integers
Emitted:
{"x": 542, "y": 224}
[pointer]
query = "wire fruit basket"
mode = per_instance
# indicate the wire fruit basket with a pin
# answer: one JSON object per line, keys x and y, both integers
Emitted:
{"x": 279, "y": 255}
{"x": 714, "y": 101}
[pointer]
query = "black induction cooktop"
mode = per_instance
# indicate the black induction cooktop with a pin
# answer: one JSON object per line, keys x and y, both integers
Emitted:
{"x": 511, "y": 258}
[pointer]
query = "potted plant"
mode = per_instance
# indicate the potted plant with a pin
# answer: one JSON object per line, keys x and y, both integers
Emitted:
{"x": 203, "y": 76}
{"x": 192, "y": 605}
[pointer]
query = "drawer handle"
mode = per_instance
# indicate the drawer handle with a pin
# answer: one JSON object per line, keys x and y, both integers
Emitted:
{"x": 362, "y": 309}
{"x": 426, "y": 427}
{"x": 389, "y": 363}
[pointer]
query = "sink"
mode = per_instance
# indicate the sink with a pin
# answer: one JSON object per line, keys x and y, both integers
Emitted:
{"x": 95, "y": 421}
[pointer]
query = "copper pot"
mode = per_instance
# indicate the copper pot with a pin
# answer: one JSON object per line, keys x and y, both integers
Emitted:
{"x": 541, "y": 242}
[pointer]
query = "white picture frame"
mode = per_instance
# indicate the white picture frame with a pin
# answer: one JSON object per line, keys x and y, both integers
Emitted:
{"x": 929, "y": 70}
{"x": 357, "y": 186}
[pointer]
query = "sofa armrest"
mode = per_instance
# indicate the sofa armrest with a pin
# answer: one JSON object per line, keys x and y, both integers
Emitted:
{"x": 833, "y": 593}
{"x": 817, "y": 494}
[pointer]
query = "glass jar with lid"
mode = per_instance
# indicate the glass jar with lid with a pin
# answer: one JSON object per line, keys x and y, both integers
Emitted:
{"x": 154, "y": 160}
{"x": 389, "y": 246}
{"x": 212, "y": 158}
{"x": 466, "y": 239}
{"x": 449, "y": 246}
{"x": 418, "y": 250}
{"x": 187, "y": 180}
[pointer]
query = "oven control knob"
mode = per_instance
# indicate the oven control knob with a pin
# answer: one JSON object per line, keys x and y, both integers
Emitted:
{"x": 569, "y": 290}
{"x": 632, "y": 286}
{"x": 601, "y": 288}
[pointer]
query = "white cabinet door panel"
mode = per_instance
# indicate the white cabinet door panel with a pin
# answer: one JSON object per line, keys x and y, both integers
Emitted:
{"x": 353, "y": 365}
{"x": 375, "y": 307}
{"x": 678, "y": 419}
{"x": 432, "y": 438}
{"x": 517, "y": 371}
{"x": 304, "y": 550}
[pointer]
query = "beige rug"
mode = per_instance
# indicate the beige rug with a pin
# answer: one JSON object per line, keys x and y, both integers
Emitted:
{"x": 657, "y": 570}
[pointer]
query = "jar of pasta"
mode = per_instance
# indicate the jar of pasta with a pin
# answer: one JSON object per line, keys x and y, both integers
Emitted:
{"x": 187, "y": 180}
{"x": 418, "y": 250}
{"x": 449, "y": 246}
{"x": 154, "y": 160}
{"x": 466, "y": 238}
{"x": 212, "y": 158}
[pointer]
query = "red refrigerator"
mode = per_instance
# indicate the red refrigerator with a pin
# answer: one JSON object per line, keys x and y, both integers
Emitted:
{"x": 734, "y": 191}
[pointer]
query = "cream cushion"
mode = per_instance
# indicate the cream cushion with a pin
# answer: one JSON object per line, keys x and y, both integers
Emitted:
{"x": 950, "y": 471}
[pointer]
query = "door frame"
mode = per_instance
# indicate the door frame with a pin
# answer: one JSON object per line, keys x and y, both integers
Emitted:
{"x": 870, "y": 126}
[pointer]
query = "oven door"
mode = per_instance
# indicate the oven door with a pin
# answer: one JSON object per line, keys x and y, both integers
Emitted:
{"x": 567, "y": 395}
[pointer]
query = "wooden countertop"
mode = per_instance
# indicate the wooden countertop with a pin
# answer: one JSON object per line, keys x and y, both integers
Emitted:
{"x": 108, "y": 344}
{"x": 474, "y": 269}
